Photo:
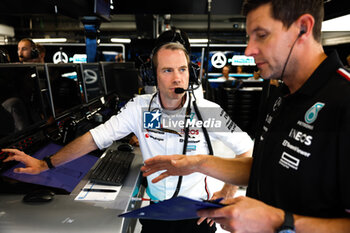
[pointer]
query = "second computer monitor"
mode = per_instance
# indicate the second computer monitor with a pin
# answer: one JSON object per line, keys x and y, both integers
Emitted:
{"x": 93, "y": 84}
{"x": 65, "y": 83}
{"x": 121, "y": 79}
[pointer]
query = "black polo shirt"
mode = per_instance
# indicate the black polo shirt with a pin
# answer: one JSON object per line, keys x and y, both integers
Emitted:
{"x": 302, "y": 159}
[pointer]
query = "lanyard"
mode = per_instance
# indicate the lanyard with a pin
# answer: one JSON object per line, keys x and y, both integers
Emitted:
{"x": 186, "y": 130}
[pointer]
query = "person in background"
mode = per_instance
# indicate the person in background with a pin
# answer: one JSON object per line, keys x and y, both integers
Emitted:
{"x": 27, "y": 51}
{"x": 239, "y": 70}
{"x": 226, "y": 73}
{"x": 298, "y": 177}
{"x": 119, "y": 58}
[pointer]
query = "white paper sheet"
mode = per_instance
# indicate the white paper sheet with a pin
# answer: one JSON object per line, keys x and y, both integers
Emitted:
{"x": 97, "y": 192}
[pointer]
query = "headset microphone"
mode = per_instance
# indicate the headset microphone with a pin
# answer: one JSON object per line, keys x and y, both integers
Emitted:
{"x": 180, "y": 90}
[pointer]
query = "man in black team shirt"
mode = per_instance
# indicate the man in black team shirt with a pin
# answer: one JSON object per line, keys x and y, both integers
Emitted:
{"x": 298, "y": 178}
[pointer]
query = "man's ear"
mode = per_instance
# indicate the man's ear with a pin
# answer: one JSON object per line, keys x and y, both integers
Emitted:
{"x": 305, "y": 23}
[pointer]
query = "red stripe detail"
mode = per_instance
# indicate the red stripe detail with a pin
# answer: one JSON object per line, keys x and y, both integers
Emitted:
{"x": 343, "y": 73}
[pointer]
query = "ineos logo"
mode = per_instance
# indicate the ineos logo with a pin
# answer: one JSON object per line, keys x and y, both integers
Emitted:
{"x": 300, "y": 137}
{"x": 90, "y": 76}
{"x": 218, "y": 60}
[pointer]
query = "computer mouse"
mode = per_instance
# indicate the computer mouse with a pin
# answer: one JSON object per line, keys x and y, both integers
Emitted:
{"x": 41, "y": 195}
{"x": 125, "y": 147}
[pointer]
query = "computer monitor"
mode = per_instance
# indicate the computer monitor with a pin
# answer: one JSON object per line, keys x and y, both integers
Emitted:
{"x": 107, "y": 73}
{"x": 93, "y": 83}
{"x": 21, "y": 104}
{"x": 125, "y": 81}
{"x": 66, "y": 89}
{"x": 120, "y": 78}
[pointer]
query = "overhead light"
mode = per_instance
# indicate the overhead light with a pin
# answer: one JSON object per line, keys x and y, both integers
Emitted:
{"x": 336, "y": 40}
{"x": 198, "y": 41}
{"x": 49, "y": 40}
{"x": 337, "y": 24}
{"x": 120, "y": 40}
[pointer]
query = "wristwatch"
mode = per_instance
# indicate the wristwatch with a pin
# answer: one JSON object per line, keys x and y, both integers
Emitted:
{"x": 47, "y": 159}
{"x": 288, "y": 224}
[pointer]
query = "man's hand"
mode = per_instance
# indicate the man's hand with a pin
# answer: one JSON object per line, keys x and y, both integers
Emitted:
{"x": 33, "y": 165}
{"x": 227, "y": 192}
{"x": 175, "y": 165}
{"x": 245, "y": 215}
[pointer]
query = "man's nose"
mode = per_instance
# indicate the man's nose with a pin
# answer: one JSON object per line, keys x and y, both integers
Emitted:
{"x": 177, "y": 77}
{"x": 251, "y": 49}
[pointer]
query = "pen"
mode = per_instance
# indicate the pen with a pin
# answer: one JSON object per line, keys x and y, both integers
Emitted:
{"x": 100, "y": 190}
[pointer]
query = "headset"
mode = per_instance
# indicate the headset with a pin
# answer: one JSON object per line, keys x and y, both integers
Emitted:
{"x": 147, "y": 70}
{"x": 34, "y": 53}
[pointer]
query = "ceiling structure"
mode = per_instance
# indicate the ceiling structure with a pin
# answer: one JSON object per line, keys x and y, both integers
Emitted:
{"x": 134, "y": 18}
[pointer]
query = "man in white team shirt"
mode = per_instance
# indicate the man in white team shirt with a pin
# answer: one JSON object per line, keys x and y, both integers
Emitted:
{"x": 171, "y": 65}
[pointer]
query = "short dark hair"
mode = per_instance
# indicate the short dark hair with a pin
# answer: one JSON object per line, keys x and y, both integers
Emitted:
{"x": 288, "y": 11}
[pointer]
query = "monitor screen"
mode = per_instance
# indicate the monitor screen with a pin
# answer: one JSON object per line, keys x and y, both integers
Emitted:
{"x": 107, "y": 73}
{"x": 125, "y": 81}
{"x": 21, "y": 109}
{"x": 65, "y": 84}
{"x": 93, "y": 83}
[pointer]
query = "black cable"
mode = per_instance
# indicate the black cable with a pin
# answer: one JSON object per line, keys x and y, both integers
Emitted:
{"x": 187, "y": 129}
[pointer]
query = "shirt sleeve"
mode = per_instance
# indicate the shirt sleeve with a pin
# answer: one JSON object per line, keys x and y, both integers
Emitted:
{"x": 118, "y": 126}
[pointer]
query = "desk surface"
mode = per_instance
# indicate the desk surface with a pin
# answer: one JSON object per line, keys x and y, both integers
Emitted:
{"x": 63, "y": 214}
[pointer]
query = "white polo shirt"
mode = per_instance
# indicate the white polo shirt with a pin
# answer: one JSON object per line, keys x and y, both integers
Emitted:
{"x": 154, "y": 142}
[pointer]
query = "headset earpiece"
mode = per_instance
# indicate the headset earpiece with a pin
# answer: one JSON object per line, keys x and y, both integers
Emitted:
{"x": 34, "y": 53}
{"x": 302, "y": 31}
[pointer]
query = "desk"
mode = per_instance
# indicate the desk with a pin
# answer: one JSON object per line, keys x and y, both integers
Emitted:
{"x": 63, "y": 214}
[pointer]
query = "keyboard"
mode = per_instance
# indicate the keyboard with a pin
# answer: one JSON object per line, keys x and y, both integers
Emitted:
{"x": 112, "y": 168}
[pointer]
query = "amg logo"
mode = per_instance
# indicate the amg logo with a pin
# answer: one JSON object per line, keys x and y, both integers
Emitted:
{"x": 300, "y": 137}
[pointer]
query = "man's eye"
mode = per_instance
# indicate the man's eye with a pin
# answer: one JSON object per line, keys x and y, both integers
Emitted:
{"x": 261, "y": 35}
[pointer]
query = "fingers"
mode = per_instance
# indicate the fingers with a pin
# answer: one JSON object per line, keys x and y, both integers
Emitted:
{"x": 158, "y": 159}
{"x": 15, "y": 155}
{"x": 200, "y": 220}
{"x": 14, "y": 151}
{"x": 160, "y": 177}
{"x": 209, "y": 221}
{"x": 27, "y": 170}
{"x": 210, "y": 213}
